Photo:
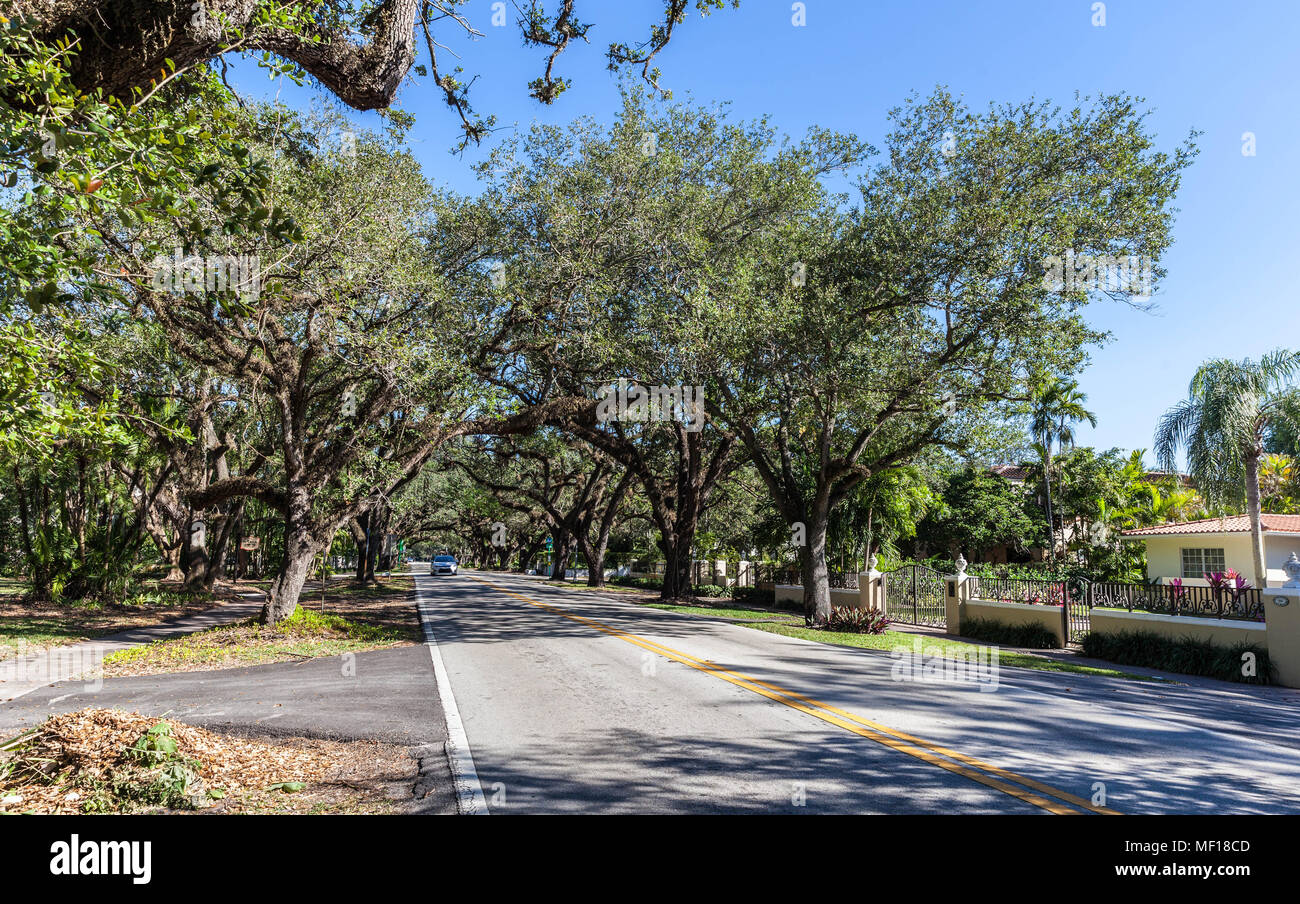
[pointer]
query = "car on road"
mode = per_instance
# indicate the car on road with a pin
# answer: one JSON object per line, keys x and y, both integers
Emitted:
{"x": 443, "y": 565}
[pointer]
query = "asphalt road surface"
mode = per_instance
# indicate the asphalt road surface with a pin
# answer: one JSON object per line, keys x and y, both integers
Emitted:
{"x": 574, "y": 702}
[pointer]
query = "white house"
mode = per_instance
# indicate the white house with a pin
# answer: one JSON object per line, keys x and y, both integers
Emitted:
{"x": 1194, "y": 548}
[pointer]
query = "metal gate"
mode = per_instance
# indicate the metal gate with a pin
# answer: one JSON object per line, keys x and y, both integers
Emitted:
{"x": 1078, "y": 609}
{"x": 915, "y": 594}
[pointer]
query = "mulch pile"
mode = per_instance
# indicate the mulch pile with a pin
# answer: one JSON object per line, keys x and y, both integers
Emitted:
{"x": 77, "y": 757}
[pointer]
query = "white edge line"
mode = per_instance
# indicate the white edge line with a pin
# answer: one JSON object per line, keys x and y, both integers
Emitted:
{"x": 469, "y": 793}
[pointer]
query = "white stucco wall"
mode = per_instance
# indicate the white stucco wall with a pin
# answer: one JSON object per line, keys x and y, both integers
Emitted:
{"x": 1164, "y": 554}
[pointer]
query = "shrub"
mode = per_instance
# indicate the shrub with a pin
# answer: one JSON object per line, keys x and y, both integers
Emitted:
{"x": 1035, "y": 637}
{"x": 709, "y": 590}
{"x": 754, "y": 596}
{"x": 643, "y": 583}
{"x": 857, "y": 621}
{"x": 1185, "y": 655}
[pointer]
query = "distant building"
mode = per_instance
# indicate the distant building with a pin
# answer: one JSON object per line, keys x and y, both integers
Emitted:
{"x": 1192, "y": 549}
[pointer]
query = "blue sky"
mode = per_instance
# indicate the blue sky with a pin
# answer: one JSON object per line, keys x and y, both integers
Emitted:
{"x": 1221, "y": 68}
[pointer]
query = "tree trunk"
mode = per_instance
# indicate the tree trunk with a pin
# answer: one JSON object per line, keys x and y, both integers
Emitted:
{"x": 301, "y": 544}
{"x": 282, "y": 599}
{"x": 812, "y": 566}
{"x": 596, "y": 573}
{"x": 1051, "y": 527}
{"x": 217, "y": 562}
{"x": 530, "y": 552}
{"x": 594, "y": 553}
{"x": 195, "y": 558}
{"x": 373, "y": 544}
{"x": 595, "y": 550}
{"x": 36, "y": 570}
{"x": 239, "y": 544}
{"x": 360, "y": 528}
{"x": 1256, "y": 521}
{"x": 172, "y": 556}
{"x": 676, "y": 548}
{"x": 368, "y": 531}
{"x": 563, "y": 544}
{"x": 380, "y": 519}
{"x": 124, "y": 45}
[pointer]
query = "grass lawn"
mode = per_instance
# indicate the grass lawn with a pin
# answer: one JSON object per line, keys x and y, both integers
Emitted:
{"x": 892, "y": 639}
{"x": 353, "y": 618}
{"x": 741, "y": 613}
{"x": 776, "y": 621}
{"x": 28, "y": 624}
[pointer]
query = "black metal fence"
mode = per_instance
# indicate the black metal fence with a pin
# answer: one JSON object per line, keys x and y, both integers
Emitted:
{"x": 1079, "y": 597}
{"x": 779, "y": 574}
{"x": 1166, "y": 599}
{"x": 844, "y": 580}
{"x": 1015, "y": 590}
{"x": 743, "y": 577}
{"x": 793, "y": 577}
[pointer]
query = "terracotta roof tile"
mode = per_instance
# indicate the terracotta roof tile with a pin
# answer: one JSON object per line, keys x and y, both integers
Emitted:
{"x": 1229, "y": 524}
{"x": 1011, "y": 472}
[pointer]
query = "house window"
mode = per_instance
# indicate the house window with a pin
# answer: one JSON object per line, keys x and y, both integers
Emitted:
{"x": 1197, "y": 563}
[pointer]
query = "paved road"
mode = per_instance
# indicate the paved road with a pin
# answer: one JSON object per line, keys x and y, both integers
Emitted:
{"x": 578, "y": 703}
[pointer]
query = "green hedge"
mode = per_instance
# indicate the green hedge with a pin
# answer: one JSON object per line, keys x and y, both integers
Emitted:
{"x": 1034, "y": 637}
{"x": 754, "y": 595}
{"x": 643, "y": 583}
{"x": 709, "y": 590}
{"x": 1185, "y": 655}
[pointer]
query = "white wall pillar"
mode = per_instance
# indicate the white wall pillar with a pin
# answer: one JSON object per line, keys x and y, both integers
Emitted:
{"x": 957, "y": 589}
{"x": 1282, "y": 620}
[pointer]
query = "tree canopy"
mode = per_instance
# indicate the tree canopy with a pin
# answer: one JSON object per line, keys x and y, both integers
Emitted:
{"x": 637, "y": 334}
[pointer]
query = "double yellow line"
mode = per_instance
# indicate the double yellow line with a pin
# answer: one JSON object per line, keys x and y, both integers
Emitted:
{"x": 1021, "y": 787}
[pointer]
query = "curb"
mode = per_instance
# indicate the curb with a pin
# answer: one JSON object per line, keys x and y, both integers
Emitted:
{"x": 469, "y": 793}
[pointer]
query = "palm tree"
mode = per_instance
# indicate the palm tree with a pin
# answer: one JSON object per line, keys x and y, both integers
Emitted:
{"x": 1057, "y": 407}
{"x": 1231, "y": 408}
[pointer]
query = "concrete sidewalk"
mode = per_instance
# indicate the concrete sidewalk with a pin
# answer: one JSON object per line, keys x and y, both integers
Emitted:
{"x": 21, "y": 675}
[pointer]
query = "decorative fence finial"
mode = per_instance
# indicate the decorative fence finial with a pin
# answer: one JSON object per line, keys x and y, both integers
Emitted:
{"x": 961, "y": 564}
{"x": 872, "y": 562}
{"x": 1292, "y": 568}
